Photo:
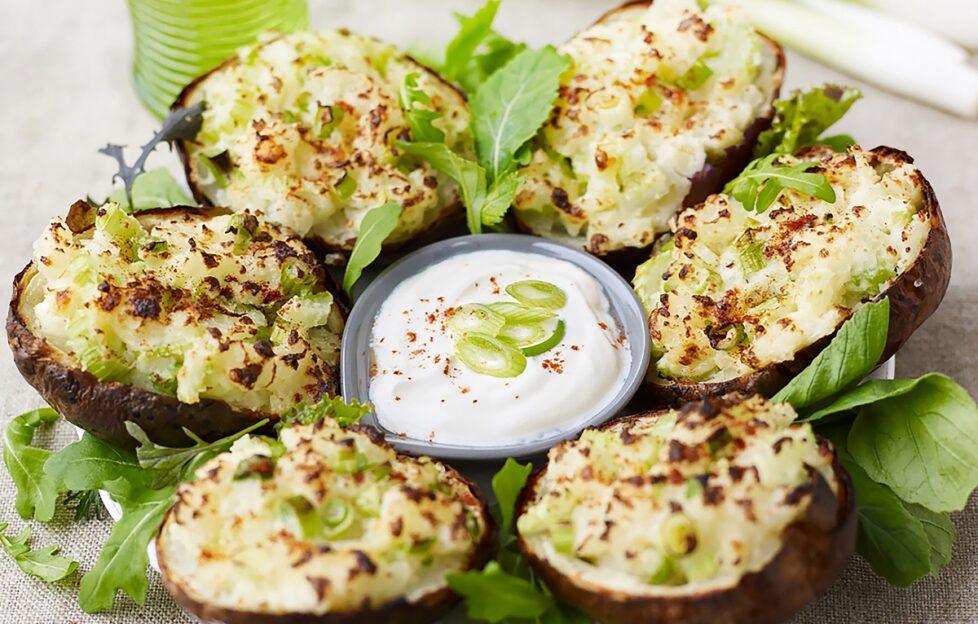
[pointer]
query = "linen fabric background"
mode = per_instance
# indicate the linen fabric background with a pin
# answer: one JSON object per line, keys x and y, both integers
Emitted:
{"x": 65, "y": 72}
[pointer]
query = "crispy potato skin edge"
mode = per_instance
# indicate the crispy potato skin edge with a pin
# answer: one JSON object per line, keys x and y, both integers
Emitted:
{"x": 712, "y": 177}
{"x": 815, "y": 550}
{"x": 449, "y": 222}
{"x": 103, "y": 407}
{"x": 428, "y": 608}
{"x": 914, "y": 296}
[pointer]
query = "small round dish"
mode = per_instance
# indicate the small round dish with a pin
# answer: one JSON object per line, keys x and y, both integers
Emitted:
{"x": 625, "y": 308}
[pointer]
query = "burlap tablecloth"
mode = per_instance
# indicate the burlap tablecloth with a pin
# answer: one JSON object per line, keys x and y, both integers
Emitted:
{"x": 66, "y": 92}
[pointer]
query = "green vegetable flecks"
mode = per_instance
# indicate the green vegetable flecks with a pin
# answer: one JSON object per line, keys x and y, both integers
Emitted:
{"x": 122, "y": 562}
{"x": 801, "y": 119}
{"x": 511, "y": 106}
{"x": 761, "y": 183}
{"x": 853, "y": 353}
{"x": 375, "y": 227}
{"x": 182, "y": 124}
{"x": 37, "y": 492}
{"x": 45, "y": 563}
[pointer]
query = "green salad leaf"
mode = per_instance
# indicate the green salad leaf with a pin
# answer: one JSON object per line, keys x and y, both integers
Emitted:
{"x": 45, "y": 563}
{"x": 801, "y": 118}
{"x": 172, "y": 464}
{"x": 90, "y": 463}
{"x": 492, "y": 595}
{"x": 761, "y": 183}
{"x": 851, "y": 355}
{"x": 499, "y": 198}
{"x": 375, "y": 227}
{"x": 922, "y": 444}
{"x": 344, "y": 413}
{"x": 507, "y": 484}
{"x": 509, "y": 108}
{"x": 940, "y": 534}
{"x": 122, "y": 562}
{"x": 470, "y": 177}
{"x": 472, "y": 32}
{"x": 419, "y": 118}
{"x": 37, "y": 492}
{"x": 157, "y": 188}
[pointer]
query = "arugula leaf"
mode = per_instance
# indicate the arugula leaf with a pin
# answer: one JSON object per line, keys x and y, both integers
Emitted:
{"x": 853, "y": 353}
{"x": 37, "y": 492}
{"x": 375, "y": 227}
{"x": 507, "y": 485}
{"x": 761, "y": 183}
{"x": 472, "y": 32}
{"x": 46, "y": 564}
{"x": 801, "y": 118}
{"x": 419, "y": 119}
{"x": 156, "y": 188}
{"x": 922, "y": 444}
{"x": 500, "y": 198}
{"x": 90, "y": 463}
{"x": 512, "y": 104}
{"x": 470, "y": 177}
{"x": 182, "y": 124}
{"x": 491, "y": 595}
{"x": 345, "y": 414}
{"x": 122, "y": 562}
{"x": 85, "y": 504}
{"x": 173, "y": 464}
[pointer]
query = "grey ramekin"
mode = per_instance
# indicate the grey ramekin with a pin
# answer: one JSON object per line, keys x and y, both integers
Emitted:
{"x": 355, "y": 359}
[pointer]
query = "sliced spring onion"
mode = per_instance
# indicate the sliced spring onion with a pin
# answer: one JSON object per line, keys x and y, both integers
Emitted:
{"x": 489, "y": 356}
{"x": 337, "y": 515}
{"x": 648, "y": 103}
{"x": 548, "y": 344}
{"x": 346, "y": 186}
{"x": 329, "y": 118}
{"x": 522, "y": 335}
{"x": 475, "y": 317}
{"x": 519, "y": 314}
{"x": 538, "y": 294}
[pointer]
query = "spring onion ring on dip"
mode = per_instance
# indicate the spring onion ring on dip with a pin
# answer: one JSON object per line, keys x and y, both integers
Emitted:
{"x": 494, "y": 347}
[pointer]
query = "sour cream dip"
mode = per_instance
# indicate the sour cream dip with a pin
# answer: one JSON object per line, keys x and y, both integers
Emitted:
{"x": 421, "y": 390}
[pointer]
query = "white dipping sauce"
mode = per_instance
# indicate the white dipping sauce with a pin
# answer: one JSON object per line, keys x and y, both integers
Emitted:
{"x": 420, "y": 390}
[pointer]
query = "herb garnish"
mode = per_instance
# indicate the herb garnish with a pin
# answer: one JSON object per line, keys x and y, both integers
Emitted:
{"x": 375, "y": 227}
{"x": 46, "y": 564}
{"x": 801, "y": 119}
{"x": 762, "y": 182}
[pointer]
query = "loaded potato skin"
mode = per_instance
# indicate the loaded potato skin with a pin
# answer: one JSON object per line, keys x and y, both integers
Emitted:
{"x": 178, "y": 317}
{"x": 303, "y": 127}
{"x": 661, "y": 107}
{"x": 333, "y": 527}
{"x": 721, "y": 512}
{"x": 743, "y": 302}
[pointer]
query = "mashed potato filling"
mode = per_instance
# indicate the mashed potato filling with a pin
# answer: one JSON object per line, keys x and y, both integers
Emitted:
{"x": 653, "y": 95}
{"x": 302, "y": 128}
{"x": 735, "y": 291}
{"x": 653, "y": 504}
{"x": 328, "y": 520}
{"x": 223, "y": 307}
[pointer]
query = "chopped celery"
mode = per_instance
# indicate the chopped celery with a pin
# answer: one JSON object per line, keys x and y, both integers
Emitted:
{"x": 648, "y": 103}
{"x": 328, "y": 118}
{"x": 117, "y": 223}
{"x": 679, "y": 534}
{"x": 217, "y": 175}
{"x": 295, "y": 278}
{"x": 346, "y": 186}
{"x": 562, "y": 538}
{"x": 101, "y": 362}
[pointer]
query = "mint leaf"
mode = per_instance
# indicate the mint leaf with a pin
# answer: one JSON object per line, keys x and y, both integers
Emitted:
{"x": 173, "y": 464}
{"x": 90, "y": 463}
{"x": 801, "y": 118}
{"x": 472, "y": 31}
{"x": 46, "y": 564}
{"x": 122, "y": 562}
{"x": 156, "y": 188}
{"x": 509, "y": 108}
{"x": 853, "y": 353}
{"x": 762, "y": 182}
{"x": 375, "y": 227}
{"x": 345, "y": 414}
{"x": 37, "y": 492}
{"x": 419, "y": 118}
{"x": 922, "y": 444}
{"x": 491, "y": 595}
{"x": 468, "y": 175}
{"x": 507, "y": 485}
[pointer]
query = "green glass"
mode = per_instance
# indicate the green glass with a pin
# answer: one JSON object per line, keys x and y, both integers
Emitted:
{"x": 177, "y": 40}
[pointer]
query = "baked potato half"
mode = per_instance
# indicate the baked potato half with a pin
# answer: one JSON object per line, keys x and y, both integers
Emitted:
{"x": 662, "y": 105}
{"x": 721, "y": 512}
{"x": 328, "y": 526}
{"x": 172, "y": 318}
{"x": 302, "y": 128}
{"x": 744, "y": 301}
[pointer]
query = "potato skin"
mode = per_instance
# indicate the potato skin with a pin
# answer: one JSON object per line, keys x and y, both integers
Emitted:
{"x": 450, "y": 222}
{"x": 815, "y": 550}
{"x": 103, "y": 407}
{"x": 713, "y": 176}
{"x": 914, "y": 296}
{"x": 429, "y": 608}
